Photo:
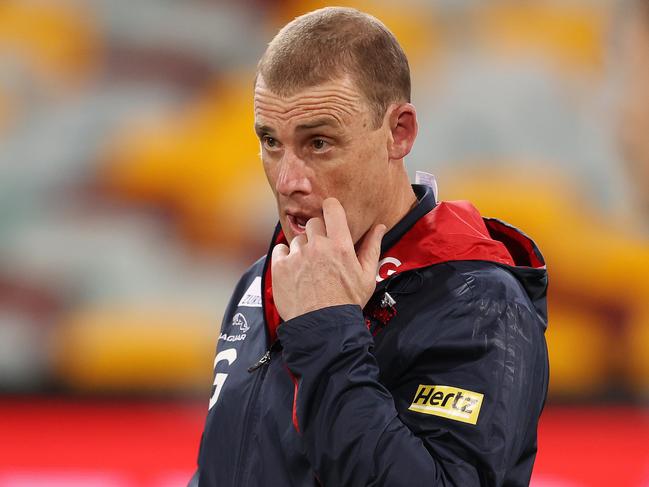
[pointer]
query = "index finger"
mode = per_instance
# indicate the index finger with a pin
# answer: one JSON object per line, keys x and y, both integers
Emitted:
{"x": 335, "y": 220}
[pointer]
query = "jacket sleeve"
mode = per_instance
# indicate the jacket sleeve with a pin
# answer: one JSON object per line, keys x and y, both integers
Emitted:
{"x": 356, "y": 432}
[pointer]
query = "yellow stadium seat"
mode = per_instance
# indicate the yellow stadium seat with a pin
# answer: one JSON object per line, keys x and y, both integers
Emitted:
{"x": 579, "y": 348}
{"x": 572, "y": 33}
{"x": 58, "y": 42}
{"x": 137, "y": 350}
{"x": 202, "y": 163}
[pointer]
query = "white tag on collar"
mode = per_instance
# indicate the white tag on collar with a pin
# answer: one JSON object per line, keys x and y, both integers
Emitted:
{"x": 427, "y": 179}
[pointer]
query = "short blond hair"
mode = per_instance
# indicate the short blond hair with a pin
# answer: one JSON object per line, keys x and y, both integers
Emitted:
{"x": 330, "y": 43}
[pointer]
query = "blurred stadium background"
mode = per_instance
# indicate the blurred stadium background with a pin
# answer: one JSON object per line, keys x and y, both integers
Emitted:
{"x": 131, "y": 198}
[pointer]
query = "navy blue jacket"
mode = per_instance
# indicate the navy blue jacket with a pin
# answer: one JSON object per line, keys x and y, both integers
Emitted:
{"x": 440, "y": 380}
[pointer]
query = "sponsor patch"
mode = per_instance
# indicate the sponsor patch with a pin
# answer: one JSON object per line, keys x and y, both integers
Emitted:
{"x": 252, "y": 297}
{"x": 240, "y": 321}
{"x": 232, "y": 338}
{"x": 448, "y": 402}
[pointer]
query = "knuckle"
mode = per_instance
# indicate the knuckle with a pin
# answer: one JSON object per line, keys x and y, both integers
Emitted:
{"x": 342, "y": 249}
{"x": 320, "y": 242}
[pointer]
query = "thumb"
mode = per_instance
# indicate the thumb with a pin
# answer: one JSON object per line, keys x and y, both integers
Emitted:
{"x": 370, "y": 249}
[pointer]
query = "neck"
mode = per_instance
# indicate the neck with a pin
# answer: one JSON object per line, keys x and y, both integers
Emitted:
{"x": 403, "y": 200}
{"x": 398, "y": 203}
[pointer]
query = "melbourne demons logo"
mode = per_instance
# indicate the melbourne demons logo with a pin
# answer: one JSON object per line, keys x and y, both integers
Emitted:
{"x": 387, "y": 267}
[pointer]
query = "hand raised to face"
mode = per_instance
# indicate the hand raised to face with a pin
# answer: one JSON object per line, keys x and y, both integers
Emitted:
{"x": 321, "y": 267}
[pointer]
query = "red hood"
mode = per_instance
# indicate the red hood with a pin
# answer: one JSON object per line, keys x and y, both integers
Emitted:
{"x": 454, "y": 230}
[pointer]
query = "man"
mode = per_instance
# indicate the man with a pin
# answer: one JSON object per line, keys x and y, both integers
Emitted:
{"x": 431, "y": 371}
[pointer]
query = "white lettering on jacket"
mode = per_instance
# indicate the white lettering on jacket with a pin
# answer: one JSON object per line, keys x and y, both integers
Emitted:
{"x": 252, "y": 297}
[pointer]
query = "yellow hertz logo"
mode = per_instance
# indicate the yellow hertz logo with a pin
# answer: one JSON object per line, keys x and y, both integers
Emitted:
{"x": 448, "y": 402}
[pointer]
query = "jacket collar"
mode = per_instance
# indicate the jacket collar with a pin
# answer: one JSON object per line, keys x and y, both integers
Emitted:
{"x": 426, "y": 202}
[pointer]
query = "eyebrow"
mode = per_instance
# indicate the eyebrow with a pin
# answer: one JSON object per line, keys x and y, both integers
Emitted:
{"x": 319, "y": 122}
{"x": 263, "y": 129}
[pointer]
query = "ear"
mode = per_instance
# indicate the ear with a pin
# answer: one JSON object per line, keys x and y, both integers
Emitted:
{"x": 402, "y": 120}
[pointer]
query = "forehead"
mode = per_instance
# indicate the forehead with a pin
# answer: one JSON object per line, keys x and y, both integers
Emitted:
{"x": 338, "y": 100}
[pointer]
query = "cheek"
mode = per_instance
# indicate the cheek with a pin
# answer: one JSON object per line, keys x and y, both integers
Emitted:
{"x": 358, "y": 183}
{"x": 270, "y": 170}
{"x": 371, "y": 166}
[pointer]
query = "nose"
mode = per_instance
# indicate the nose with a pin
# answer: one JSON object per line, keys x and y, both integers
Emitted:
{"x": 292, "y": 176}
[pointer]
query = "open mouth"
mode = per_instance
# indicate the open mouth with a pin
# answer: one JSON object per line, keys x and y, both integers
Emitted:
{"x": 298, "y": 223}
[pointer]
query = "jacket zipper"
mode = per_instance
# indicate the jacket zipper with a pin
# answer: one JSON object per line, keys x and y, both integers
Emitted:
{"x": 263, "y": 360}
{"x": 252, "y": 403}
